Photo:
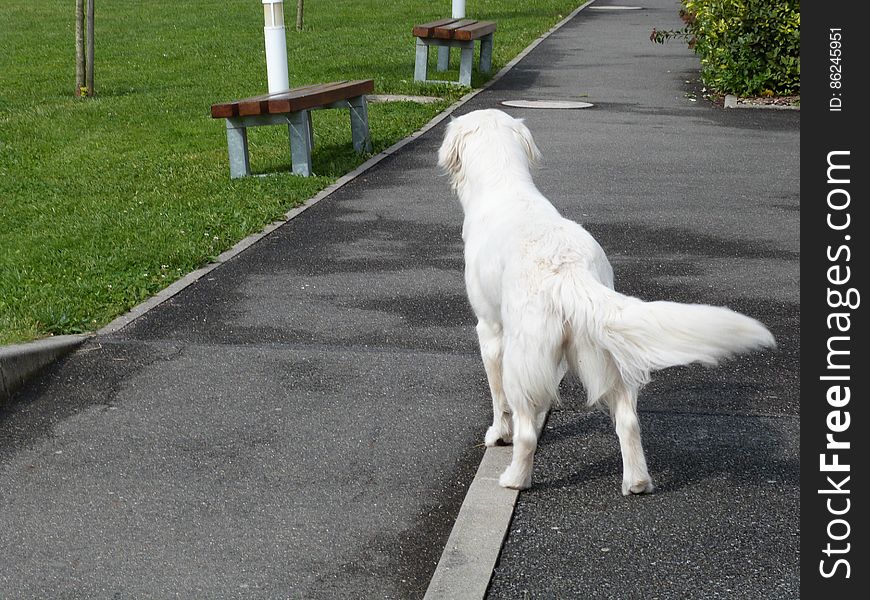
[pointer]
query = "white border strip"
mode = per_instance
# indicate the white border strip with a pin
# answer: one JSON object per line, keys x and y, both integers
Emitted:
{"x": 19, "y": 362}
{"x": 475, "y": 542}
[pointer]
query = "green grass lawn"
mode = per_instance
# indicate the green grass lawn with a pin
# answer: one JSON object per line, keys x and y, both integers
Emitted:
{"x": 105, "y": 201}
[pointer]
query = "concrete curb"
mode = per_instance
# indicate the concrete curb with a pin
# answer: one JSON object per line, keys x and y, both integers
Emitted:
{"x": 472, "y": 550}
{"x": 732, "y": 101}
{"x": 18, "y": 362}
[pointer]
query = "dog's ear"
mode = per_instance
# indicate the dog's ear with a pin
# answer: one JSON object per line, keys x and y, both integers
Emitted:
{"x": 450, "y": 152}
{"x": 525, "y": 136}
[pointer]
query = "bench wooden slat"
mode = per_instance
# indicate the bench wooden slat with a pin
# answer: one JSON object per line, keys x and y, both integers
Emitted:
{"x": 446, "y": 32}
{"x": 462, "y": 30}
{"x": 231, "y": 109}
{"x": 474, "y": 31}
{"x": 224, "y": 110}
{"x": 427, "y": 29}
{"x": 326, "y": 94}
{"x": 259, "y": 105}
{"x": 293, "y": 100}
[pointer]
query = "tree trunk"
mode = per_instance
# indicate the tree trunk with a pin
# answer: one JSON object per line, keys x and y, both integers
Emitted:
{"x": 90, "y": 52}
{"x": 80, "y": 47}
{"x": 300, "y": 5}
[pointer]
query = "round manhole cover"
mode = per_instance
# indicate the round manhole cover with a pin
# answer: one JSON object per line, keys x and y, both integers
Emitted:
{"x": 563, "y": 104}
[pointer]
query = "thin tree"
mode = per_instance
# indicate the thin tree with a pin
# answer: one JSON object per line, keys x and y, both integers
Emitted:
{"x": 300, "y": 5}
{"x": 89, "y": 57}
{"x": 80, "y": 48}
{"x": 84, "y": 47}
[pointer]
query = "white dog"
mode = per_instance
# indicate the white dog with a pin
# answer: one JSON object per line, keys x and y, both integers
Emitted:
{"x": 542, "y": 290}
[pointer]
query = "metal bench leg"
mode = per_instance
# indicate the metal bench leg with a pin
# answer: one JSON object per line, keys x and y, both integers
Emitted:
{"x": 422, "y": 62}
{"x": 300, "y": 142}
{"x": 359, "y": 124}
{"x": 467, "y": 54}
{"x": 443, "y": 58}
{"x": 486, "y": 53}
{"x": 237, "y": 146}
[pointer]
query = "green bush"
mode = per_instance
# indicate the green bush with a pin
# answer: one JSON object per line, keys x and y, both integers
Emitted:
{"x": 746, "y": 47}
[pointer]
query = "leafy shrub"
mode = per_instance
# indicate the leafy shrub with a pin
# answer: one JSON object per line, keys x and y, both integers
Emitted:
{"x": 746, "y": 47}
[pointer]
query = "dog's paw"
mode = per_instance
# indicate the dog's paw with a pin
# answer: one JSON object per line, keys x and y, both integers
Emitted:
{"x": 644, "y": 486}
{"x": 495, "y": 437}
{"x": 515, "y": 480}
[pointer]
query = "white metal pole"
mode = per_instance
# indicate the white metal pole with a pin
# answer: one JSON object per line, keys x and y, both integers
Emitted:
{"x": 444, "y": 51}
{"x": 276, "y": 46}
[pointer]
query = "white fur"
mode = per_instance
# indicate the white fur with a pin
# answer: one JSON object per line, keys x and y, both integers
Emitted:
{"x": 542, "y": 290}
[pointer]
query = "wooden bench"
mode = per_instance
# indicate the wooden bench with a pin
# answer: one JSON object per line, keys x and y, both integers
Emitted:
{"x": 292, "y": 108}
{"x": 454, "y": 33}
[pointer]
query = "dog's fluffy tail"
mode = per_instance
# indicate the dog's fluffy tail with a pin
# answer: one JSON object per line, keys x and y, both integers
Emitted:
{"x": 641, "y": 337}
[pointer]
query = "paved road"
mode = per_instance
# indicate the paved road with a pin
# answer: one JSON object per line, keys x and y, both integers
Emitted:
{"x": 303, "y": 421}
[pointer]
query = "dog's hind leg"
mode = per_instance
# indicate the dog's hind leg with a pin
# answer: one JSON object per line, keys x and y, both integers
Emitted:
{"x": 519, "y": 474}
{"x": 623, "y": 409}
{"x": 491, "y": 351}
{"x": 531, "y": 382}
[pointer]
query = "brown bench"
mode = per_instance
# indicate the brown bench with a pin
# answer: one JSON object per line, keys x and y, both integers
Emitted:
{"x": 292, "y": 108}
{"x": 454, "y": 33}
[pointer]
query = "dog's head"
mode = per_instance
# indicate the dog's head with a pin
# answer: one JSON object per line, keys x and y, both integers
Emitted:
{"x": 489, "y": 140}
